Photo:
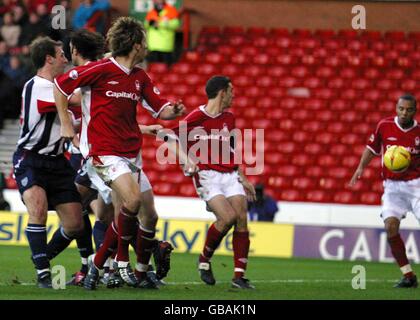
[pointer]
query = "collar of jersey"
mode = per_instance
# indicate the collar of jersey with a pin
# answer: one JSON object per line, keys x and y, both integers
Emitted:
{"x": 402, "y": 129}
{"x": 202, "y": 108}
{"x": 125, "y": 69}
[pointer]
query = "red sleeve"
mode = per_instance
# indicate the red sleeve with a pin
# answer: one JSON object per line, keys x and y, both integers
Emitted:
{"x": 152, "y": 101}
{"x": 78, "y": 77}
{"x": 375, "y": 141}
{"x": 45, "y": 106}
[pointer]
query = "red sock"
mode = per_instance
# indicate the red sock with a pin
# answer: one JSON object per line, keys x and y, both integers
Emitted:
{"x": 127, "y": 225}
{"x": 240, "y": 243}
{"x": 144, "y": 244}
{"x": 398, "y": 251}
{"x": 213, "y": 239}
{"x": 108, "y": 247}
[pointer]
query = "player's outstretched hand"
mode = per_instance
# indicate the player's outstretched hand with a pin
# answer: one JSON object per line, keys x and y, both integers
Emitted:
{"x": 250, "y": 191}
{"x": 356, "y": 176}
{"x": 190, "y": 169}
{"x": 179, "y": 108}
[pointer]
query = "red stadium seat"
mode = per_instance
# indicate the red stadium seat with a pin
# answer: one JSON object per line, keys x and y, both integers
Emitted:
{"x": 370, "y": 198}
{"x": 395, "y": 35}
{"x": 265, "y": 82}
{"x": 280, "y": 182}
{"x": 336, "y": 127}
{"x": 314, "y": 171}
{"x": 302, "y": 136}
{"x": 361, "y": 84}
{"x": 414, "y": 35}
{"x": 239, "y": 58}
{"x": 385, "y": 84}
{"x": 409, "y": 85}
{"x": 345, "y": 197}
{"x": 313, "y": 148}
{"x": 350, "y": 161}
{"x": 347, "y": 34}
{"x": 324, "y": 34}
{"x": 350, "y": 116}
{"x": 285, "y": 60}
{"x": 237, "y": 40}
{"x": 339, "y": 105}
{"x": 283, "y": 32}
{"x": 324, "y": 93}
{"x": 336, "y": 83}
{"x": 230, "y": 70}
{"x": 182, "y": 68}
{"x": 330, "y": 184}
{"x": 282, "y": 42}
{"x": 324, "y": 72}
{"x": 254, "y": 71}
{"x": 243, "y": 102}
{"x": 256, "y": 31}
{"x": 325, "y": 138}
{"x": 325, "y": 115}
{"x": 266, "y": 103}
{"x": 363, "y": 105}
{"x": 302, "y": 160}
{"x": 372, "y": 73}
{"x": 299, "y": 71}
{"x": 286, "y": 147}
{"x": 314, "y": 104}
{"x": 339, "y": 150}
{"x": 194, "y": 79}
{"x": 292, "y": 195}
{"x": 327, "y": 160}
{"x": 313, "y": 82}
{"x": 288, "y": 82}
{"x": 362, "y": 128}
{"x": 318, "y": 196}
{"x": 348, "y": 73}
{"x": 193, "y": 101}
{"x": 243, "y": 81}
{"x": 301, "y": 115}
{"x": 395, "y": 74}
{"x": 303, "y": 183}
{"x": 371, "y": 35}
{"x": 302, "y": 33}
{"x": 226, "y": 50}
{"x": 181, "y": 90}
{"x": 378, "y": 186}
{"x": 276, "y": 71}
{"x": 165, "y": 189}
{"x": 373, "y": 117}
{"x": 206, "y": 69}
{"x": 187, "y": 190}
{"x": 214, "y": 57}
{"x": 386, "y": 106}
{"x": 287, "y": 124}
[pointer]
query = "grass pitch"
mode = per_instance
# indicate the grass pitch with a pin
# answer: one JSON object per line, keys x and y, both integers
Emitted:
{"x": 274, "y": 278}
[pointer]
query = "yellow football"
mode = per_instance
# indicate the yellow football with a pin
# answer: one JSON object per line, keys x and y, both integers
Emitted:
{"x": 397, "y": 158}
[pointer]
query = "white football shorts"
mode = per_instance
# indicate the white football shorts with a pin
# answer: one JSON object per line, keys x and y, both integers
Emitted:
{"x": 210, "y": 183}
{"x": 111, "y": 168}
{"x": 401, "y": 197}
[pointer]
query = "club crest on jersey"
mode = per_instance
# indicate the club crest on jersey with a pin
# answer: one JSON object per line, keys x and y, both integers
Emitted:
{"x": 372, "y": 137}
{"x": 156, "y": 90}
{"x": 73, "y": 74}
{"x": 417, "y": 141}
{"x": 137, "y": 83}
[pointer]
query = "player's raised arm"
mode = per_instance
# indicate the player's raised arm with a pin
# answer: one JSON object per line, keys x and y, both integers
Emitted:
{"x": 366, "y": 158}
{"x": 67, "y": 130}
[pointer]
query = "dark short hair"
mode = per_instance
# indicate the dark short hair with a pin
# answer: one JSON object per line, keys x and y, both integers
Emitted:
{"x": 215, "y": 84}
{"x": 409, "y": 97}
{"x": 90, "y": 45}
{"x": 42, "y": 47}
{"x": 123, "y": 34}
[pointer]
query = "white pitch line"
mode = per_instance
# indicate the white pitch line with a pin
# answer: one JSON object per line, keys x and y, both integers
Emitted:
{"x": 253, "y": 281}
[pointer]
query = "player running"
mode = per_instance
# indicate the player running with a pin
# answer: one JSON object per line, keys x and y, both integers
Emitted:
{"x": 401, "y": 190}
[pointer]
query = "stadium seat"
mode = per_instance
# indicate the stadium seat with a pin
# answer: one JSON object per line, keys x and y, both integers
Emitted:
{"x": 302, "y": 33}
{"x": 345, "y": 197}
{"x": 277, "y": 32}
{"x": 165, "y": 189}
{"x": 233, "y": 30}
{"x": 313, "y": 148}
{"x": 347, "y": 34}
{"x": 213, "y": 30}
{"x": 187, "y": 190}
{"x": 313, "y": 82}
{"x": 395, "y": 35}
{"x": 314, "y": 171}
{"x": 292, "y": 195}
{"x": 230, "y": 70}
{"x": 336, "y": 127}
{"x": 214, "y": 58}
{"x": 303, "y": 183}
{"x": 158, "y": 68}
{"x": 207, "y": 69}
{"x": 318, "y": 196}
{"x": 254, "y": 71}
{"x": 330, "y": 184}
{"x": 327, "y": 160}
{"x": 325, "y": 138}
{"x": 370, "y": 198}
{"x": 336, "y": 83}
{"x": 239, "y": 58}
{"x": 276, "y": 71}
{"x": 324, "y": 34}
{"x": 249, "y": 50}
{"x": 324, "y": 72}
{"x": 279, "y": 182}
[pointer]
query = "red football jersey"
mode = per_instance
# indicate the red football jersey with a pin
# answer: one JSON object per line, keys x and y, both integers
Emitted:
{"x": 111, "y": 94}
{"x": 389, "y": 133}
{"x": 212, "y": 132}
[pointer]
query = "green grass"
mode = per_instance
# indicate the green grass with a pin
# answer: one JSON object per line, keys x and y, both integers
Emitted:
{"x": 274, "y": 278}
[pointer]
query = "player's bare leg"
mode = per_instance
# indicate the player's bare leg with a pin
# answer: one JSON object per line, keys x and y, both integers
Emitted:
{"x": 36, "y": 203}
{"x": 392, "y": 226}
{"x": 240, "y": 242}
{"x": 225, "y": 218}
{"x": 127, "y": 190}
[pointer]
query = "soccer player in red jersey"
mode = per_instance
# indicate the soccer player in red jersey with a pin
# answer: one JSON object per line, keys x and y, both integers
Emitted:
{"x": 116, "y": 85}
{"x": 220, "y": 183}
{"x": 401, "y": 189}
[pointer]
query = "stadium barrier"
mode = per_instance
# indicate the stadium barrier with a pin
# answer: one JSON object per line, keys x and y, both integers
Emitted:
{"x": 267, "y": 239}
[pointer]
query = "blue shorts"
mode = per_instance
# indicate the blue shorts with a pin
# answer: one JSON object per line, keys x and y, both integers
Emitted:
{"x": 53, "y": 174}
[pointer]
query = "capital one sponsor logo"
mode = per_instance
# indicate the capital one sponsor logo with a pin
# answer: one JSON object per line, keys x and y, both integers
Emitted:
{"x": 123, "y": 94}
